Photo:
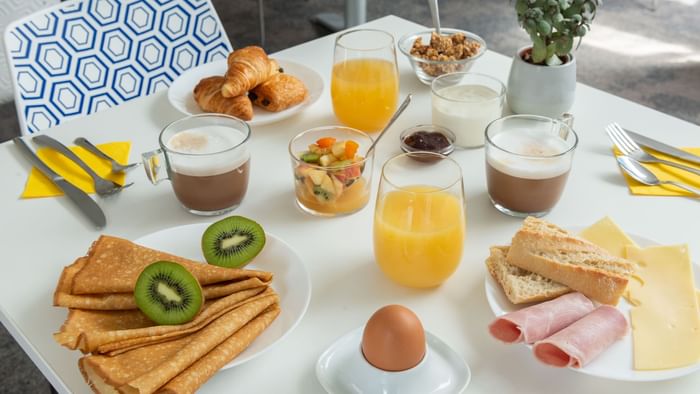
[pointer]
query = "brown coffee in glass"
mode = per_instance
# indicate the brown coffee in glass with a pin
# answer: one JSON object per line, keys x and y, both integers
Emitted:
{"x": 528, "y": 159}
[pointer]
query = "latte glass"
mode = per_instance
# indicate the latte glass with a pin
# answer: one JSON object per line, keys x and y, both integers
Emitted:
{"x": 528, "y": 159}
{"x": 206, "y": 159}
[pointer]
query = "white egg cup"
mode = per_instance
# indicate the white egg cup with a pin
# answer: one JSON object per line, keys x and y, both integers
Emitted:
{"x": 342, "y": 368}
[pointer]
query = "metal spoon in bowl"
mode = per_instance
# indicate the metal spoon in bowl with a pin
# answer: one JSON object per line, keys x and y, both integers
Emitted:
{"x": 637, "y": 171}
{"x": 435, "y": 13}
{"x": 398, "y": 112}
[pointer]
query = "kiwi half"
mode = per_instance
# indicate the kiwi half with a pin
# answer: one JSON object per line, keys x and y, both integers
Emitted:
{"x": 232, "y": 242}
{"x": 168, "y": 293}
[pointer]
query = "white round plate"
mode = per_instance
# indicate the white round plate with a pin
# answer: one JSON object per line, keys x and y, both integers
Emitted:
{"x": 181, "y": 97}
{"x": 617, "y": 361}
{"x": 291, "y": 279}
{"x": 343, "y": 369}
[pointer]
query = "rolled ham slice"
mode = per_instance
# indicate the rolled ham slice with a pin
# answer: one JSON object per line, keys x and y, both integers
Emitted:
{"x": 539, "y": 321}
{"x": 581, "y": 342}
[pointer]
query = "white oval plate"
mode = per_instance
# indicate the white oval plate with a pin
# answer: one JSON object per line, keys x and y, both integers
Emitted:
{"x": 617, "y": 361}
{"x": 291, "y": 279}
{"x": 343, "y": 369}
{"x": 181, "y": 97}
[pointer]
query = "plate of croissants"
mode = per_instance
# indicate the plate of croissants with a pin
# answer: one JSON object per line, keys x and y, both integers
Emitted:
{"x": 248, "y": 85}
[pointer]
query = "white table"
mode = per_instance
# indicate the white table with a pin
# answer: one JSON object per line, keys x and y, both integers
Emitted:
{"x": 41, "y": 236}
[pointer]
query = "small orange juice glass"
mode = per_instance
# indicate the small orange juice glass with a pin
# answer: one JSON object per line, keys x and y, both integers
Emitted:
{"x": 328, "y": 180}
{"x": 365, "y": 79}
{"x": 419, "y": 220}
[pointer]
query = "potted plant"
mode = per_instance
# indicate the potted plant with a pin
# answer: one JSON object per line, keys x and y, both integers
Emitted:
{"x": 542, "y": 78}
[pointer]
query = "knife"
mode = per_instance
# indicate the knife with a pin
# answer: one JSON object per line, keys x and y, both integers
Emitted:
{"x": 87, "y": 205}
{"x": 663, "y": 148}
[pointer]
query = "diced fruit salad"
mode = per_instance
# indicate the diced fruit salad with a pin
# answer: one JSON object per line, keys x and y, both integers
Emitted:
{"x": 327, "y": 168}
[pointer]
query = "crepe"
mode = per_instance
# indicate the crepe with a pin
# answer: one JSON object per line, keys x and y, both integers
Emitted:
{"x": 114, "y": 264}
{"x": 112, "y": 331}
{"x": 124, "y": 301}
{"x": 195, "y": 375}
{"x": 148, "y": 368}
{"x": 105, "y": 278}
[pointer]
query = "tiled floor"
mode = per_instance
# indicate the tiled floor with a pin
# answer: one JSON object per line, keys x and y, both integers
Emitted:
{"x": 648, "y": 56}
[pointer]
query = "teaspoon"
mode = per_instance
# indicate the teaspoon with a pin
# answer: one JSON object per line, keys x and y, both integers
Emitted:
{"x": 637, "y": 171}
{"x": 398, "y": 112}
{"x": 435, "y": 13}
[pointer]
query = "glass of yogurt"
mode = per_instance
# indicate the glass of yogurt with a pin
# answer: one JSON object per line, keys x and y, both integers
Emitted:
{"x": 465, "y": 103}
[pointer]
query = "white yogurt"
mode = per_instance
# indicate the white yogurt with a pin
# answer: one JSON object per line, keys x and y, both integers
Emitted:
{"x": 466, "y": 110}
{"x": 536, "y": 155}
{"x": 206, "y": 150}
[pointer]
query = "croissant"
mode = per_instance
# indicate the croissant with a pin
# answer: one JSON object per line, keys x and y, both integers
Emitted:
{"x": 208, "y": 96}
{"x": 279, "y": 92}
{"x": 247, "y": 67}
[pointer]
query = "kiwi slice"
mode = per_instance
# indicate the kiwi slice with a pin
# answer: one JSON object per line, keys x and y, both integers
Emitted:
{"x": 232, "y": 242}
{"x": 168, "y": 293}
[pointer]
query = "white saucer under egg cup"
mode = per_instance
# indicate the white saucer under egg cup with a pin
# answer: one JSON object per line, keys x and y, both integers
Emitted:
{"x": 342, "y": 368}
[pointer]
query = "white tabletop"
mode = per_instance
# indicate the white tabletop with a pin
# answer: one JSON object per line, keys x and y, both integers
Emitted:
{"x": 41, "y": 236}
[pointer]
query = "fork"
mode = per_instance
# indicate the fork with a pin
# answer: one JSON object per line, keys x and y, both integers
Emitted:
{"x": 103, "y": 187}
{"x": 627, "y": 146}
{"x": 116, "y": 166}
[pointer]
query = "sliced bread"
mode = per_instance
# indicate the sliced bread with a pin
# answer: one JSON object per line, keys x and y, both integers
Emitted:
{"x": 519, "y": 285}
{"x": 554, "y": 253}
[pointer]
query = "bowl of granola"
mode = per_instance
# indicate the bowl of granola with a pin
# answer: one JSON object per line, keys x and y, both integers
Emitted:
{"x": 432, "y": 55}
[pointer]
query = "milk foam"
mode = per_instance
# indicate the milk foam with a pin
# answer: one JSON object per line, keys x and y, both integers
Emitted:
{"x": 536, "y": 148}
{"x": 206, "y": 150}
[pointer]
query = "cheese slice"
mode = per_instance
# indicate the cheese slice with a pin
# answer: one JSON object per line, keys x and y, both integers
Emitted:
{"x": 666, "y": 322}
{"x": 608, "y": 235}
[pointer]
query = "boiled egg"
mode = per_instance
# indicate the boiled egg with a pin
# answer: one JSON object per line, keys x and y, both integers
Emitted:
{"x": 393, "y": 339}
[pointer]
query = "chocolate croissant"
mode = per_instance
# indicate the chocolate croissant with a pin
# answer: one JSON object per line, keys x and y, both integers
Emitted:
{"x": 279, "y": 92}
{"x": 208, "y": 96}
{"x": 247, "y": 68}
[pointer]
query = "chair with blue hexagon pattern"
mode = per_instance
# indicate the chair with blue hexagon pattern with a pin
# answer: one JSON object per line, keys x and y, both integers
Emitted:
{"x": 83, "y": 56}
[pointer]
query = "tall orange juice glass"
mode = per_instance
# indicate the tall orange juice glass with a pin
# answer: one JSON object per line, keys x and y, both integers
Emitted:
{"x": 419, "y": 220}
{"x": 364, "y": 81}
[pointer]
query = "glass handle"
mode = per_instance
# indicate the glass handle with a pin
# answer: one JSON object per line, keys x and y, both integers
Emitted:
{"x": 152, "y": 164}
{"x": 567, "y": 118}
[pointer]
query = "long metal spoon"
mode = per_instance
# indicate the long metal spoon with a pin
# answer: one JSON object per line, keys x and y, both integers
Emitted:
{"x": 398, "y": 112}
{"x": 435, "y": 13}
{"x": 637, "y": 171}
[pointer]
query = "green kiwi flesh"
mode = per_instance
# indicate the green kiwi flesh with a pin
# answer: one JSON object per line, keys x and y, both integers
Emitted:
{"x": 232, "y": 242}
{"x": 168, "y": 293}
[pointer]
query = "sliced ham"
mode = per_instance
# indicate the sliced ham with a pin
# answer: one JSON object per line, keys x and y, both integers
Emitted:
{"x": 539, "y": 321}
{"x": 581, "y": 342}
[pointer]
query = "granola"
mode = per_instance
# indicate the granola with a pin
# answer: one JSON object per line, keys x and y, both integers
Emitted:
{"x": 444, "y": 48}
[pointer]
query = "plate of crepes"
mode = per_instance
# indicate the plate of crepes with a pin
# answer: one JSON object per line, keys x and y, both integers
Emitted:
{"x": 167, "y": 311}
{"x": 597, "y": 300}
{"x": 248, "y": 85}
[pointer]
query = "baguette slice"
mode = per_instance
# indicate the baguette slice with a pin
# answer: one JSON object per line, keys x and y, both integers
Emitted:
{"x": 519, "y": 285}
{"x": 554, "y": 253}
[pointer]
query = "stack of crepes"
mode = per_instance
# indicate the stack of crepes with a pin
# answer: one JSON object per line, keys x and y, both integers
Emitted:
{"x": 130, "y": 353}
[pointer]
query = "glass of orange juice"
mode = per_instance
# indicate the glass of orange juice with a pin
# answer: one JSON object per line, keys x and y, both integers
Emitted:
{"x": 419, "y": 219}
{"x": 365, "y": 79}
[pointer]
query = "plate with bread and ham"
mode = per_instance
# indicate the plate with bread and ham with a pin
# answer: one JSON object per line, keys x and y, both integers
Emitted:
{"x": 248, "y": 85}
{"x": 597, "y": 300}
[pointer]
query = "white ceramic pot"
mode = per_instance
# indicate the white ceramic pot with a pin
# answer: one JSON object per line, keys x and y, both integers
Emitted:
{"x": 541, "y": 90}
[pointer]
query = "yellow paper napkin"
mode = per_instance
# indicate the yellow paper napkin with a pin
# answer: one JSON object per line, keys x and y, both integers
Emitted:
{"x": 40, "y": 186}
{"x": 666, "y": 173}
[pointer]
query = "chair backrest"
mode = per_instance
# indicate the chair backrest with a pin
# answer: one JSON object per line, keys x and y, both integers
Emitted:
{"x": 83, "y": 56}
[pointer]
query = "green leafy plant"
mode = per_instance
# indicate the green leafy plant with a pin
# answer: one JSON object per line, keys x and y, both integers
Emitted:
{"x": 554, "y": 24}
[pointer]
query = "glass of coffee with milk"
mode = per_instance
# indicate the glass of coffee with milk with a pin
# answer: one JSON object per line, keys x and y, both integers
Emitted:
{"x": 528, "y": 159}
{"x": 206, "y": 159}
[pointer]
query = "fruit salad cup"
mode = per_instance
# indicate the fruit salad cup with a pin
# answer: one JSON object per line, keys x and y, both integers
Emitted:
{"x": 332, "y": 175}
